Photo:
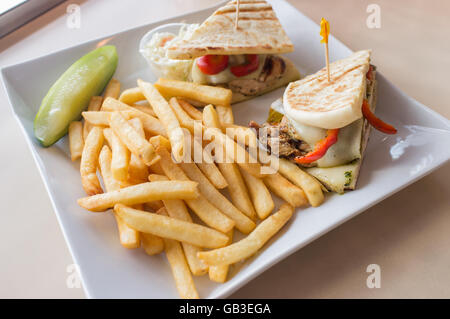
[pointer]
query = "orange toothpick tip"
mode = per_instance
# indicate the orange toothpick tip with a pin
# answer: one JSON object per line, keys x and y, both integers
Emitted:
{"x": 324, "y": 30}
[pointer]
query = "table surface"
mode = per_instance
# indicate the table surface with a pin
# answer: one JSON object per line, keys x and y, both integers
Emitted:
{"x": 407, "y": 234}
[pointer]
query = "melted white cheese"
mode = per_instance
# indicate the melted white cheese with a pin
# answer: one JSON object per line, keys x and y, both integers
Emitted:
{"x": 346, "y": 149}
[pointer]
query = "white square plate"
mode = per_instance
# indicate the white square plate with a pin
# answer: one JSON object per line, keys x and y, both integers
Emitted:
{"x": 109, "y": 271}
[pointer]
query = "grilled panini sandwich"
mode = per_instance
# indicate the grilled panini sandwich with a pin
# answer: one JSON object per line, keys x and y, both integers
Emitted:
{"x": 320, "y": 125}
{"x": 244, "y": 59}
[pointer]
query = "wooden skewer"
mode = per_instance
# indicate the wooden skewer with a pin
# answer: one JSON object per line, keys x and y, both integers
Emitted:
{"x": 237, "y": 15}
{"x": 327, "y": 57}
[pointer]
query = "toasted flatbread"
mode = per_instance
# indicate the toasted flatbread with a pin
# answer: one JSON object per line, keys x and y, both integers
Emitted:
{"x": 345, "y": 177}
{"x": 259, "y": 32}
{"x": 316, "y": 102}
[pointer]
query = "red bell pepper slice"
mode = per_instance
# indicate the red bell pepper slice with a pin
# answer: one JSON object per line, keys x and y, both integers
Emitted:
{"x": 375, "y": 121}
{"x": 247, "y": 68}
{"x": 212, "y": 64}
{"x": 320, "y": 149}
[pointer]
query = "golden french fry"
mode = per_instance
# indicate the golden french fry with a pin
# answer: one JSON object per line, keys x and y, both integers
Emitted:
{"x": 130, "y": 96}
{"x": 151, "y": 125}
{"x": 95, "y": 104}
{"x": 112, "y": 89}
{"x": 210, "y": 117}
{"x": 136, "y": 123}
{"x": 225, "y": 114}
{"x": 96, "y": 118}
{"x": 138, "y": 145}
{"x": 89, "y": 161}
{"x": 205, "y": 162}
{"x": 129, "y": 237}
{"x": 152, "y": 244}
{"x": 171, "y": 228}
{"x": 309, "y": 184}
{"x": 141, "y": 193}
{"x": 185, "y": 120}
{"x": 160, "y": 141}
{"x": 194, "y": 91}
{"x": 213, "y": 174}
{"x": 235, "y": 152}
{"x": 167, "y": 118}
{"x": 261, "y": 198}
{"x": 242, "y": 222}
{"x": 180, "y": 269}
{"x": 237, "y": 190}
{"x": 145, "y": 108}
{"x": 177, "y": 209}
{"x": 76, "y": 142}
{"x": 137, "y": 170}
{"x": 285, "y": 189}
{"x": 252, "y": 243}
{"x": 206, "y": 211}
{"x": 105, "y": 163}
{"x": 120, "y": 155}
{"x": 219, "y": 273}
{"x": 191, "y": 110}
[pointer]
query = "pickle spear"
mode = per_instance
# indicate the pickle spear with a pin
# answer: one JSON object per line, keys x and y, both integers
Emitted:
{"x": 71, "y": 93}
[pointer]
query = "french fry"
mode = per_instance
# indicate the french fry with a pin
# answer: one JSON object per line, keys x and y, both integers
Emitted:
{"x": 129, "y": 237}
{"x": 285, "y": 189}
{"x": 206, "y": 211}
{"x": 185, "y": 120}
{"x": 225, "y": 114}
{"x": 96, "y": 118}
{"x": 211, "y": 118}
{"x": 152, "y": 244}
{"x": 112, "y": 89}
{"x": 130, "y": 96}
{"x": 203, "y": 93}
{"x": 151, "y": 125}
{"x": 167, "y": 118}
{"x": 206, "y": 164}
{"x": 138, "y": 145}
{"x": 238, "y": 191}
{"x": 191, "y": 110}
{"x": 159, "y": 141}
{"x": 136, "y": 123}
{"x": 89, "y": 161}
{"x": 261, "y": 198}
{"x": 309, "y": 184}
{"x": 235, "y": 152}
{"x": 220, "y": 273}
{"x": 105, "y": 163}
{"x": 180, "y": 269}
{"x": 137, "y": 170}
{"x": 120, "y": 155}
{"x": 145, "y": 108}
{"x": 76, "y": 142}
{"x": 171, "y": 228}
{"x": 177, "y": 209}
{"x": 243, "y": 223}
{"x": 252, "y": 243}
{"x": 95, "y": 104}
{"x": 141, "y": 193}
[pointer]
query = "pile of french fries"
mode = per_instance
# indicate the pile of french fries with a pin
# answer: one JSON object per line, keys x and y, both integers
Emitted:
{"x": 134, "y": 139}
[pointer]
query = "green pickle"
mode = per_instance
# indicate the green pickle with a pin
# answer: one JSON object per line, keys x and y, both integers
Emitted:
{"x": 274, "y": 117}
{"x": 71, "y": 93}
